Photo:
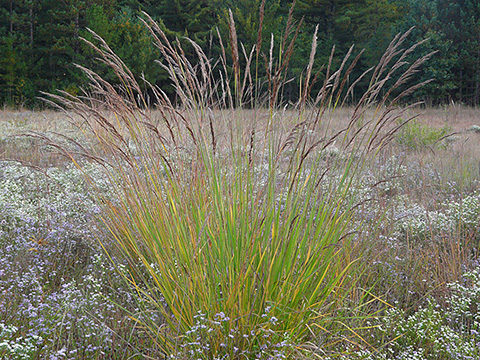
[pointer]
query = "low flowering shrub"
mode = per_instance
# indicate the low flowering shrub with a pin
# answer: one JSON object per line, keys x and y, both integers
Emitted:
{"x": 453, "y": 217}
{"x": 464, "y": 310}
{"x": 464, "y": 215}
{"x": 432, "y": 331}
{"x": 16, "y": 347}
{"x": 56, "y": 288}
{"x": 474, "y": 129}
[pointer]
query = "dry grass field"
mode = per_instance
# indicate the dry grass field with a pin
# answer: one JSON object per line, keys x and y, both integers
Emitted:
{"x": 460, "y": 122}
{"x": 417, "y": 203}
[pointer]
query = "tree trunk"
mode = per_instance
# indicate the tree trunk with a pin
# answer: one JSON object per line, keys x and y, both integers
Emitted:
{"x": 476, "y": 99}
{"x": 77, "y": 30}
{"x": 31, "y": 24}
{"x": 11, "y": 16}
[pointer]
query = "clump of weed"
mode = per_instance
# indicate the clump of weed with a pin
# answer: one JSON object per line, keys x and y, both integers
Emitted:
{"x": 414, "y": 135}
{"x": 474, "y": 129}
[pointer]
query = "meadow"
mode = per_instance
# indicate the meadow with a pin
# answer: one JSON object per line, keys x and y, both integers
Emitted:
{"x": 211, "y": 229}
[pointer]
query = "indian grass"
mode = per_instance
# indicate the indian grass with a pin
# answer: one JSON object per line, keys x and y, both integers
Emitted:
{"x": 236, "y": 220}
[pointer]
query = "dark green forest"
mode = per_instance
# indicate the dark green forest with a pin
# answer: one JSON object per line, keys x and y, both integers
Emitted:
{"x": 40, "y": 40}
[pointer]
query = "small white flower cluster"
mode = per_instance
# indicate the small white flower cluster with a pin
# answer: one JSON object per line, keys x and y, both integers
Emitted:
{"x": 35, "y": 194}
{"x": 332, "y": 151}
{"x": 433, "y": 332}
{"x": 15, "y": 347}
{"x": 388, "y": 175}
{"x": 464, "y": 311}
{"x": 474, "y": 129}
{"x": 466, "y": 213}
{"x": 416, "y": 221}
{"x": 427, "y": 333}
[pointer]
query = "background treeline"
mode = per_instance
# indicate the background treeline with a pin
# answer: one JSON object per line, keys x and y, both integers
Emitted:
{"x": 40, "y": 39}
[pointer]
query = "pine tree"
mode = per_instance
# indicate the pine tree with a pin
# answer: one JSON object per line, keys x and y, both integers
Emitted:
{"x": 184, "y": 18}
{"x": 452, "y": 28}
{"x": 460, "y": 21}
{"x": 17, "y": 23}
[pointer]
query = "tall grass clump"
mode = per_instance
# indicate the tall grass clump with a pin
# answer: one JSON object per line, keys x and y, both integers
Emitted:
{"x": 237, "y": 224}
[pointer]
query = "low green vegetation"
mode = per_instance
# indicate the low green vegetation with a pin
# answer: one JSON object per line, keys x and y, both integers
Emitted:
{"x": 416, "y": 136}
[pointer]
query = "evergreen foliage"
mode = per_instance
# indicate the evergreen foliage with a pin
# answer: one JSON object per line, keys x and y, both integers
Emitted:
{"x": 40, "y": 39}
